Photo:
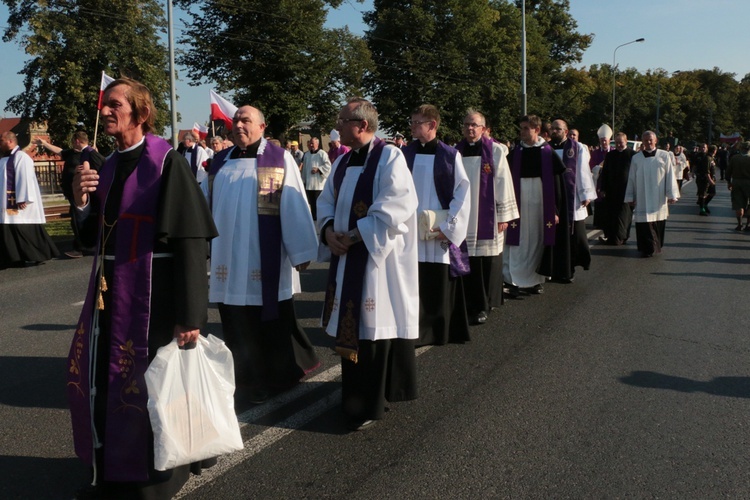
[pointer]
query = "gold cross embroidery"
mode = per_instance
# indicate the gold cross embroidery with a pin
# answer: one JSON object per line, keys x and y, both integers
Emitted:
{"x": 513, "y": 224}
{"x": 549, "y": 225}
{"x": 221, "y": 273}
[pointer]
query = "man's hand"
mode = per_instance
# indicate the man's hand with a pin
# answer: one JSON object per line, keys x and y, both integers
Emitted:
{"x": 22, "y": 205}
{"x": 585, "y": 203}
{"x": 84, "y": 182}
{"x": 337, "y": 242}
{"x": 440, "y": 236}
{"x": 557, "y": 219}
{"x": 671, "y": 201}
{"x": 501, "y": 227}
{"x": 185, "y": 335}
{"x": 302, "y": 267}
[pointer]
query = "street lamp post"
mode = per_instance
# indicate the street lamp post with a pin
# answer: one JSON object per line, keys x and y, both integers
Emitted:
{"x": 614, "y": 76}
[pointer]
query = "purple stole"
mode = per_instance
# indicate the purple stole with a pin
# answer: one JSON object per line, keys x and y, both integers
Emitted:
{"x": 128, "y": 431}
{"x": 11, "y": 203}
{"x": 350, "y": 304}
{"x": 443, "y": 171}
{"x": 270, "y": 172}
{"x": 513, "y": 235}
{"x": 597, "y": 156}
{"x": 486, "y": 215}
{"x": 570, "y": 159}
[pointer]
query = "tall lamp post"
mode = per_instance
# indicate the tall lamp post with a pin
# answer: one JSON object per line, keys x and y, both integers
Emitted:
{"x": 523, "y": 58}
{"x": 614, "y": 77}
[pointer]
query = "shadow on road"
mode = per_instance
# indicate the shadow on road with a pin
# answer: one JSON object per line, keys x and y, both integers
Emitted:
{"x": 48, "y": 327}
{"x": 39, "y": 478}
{"x": 733, "y": 387}
{"x": 708, "y": 275}
{"x": 41, "y": 386}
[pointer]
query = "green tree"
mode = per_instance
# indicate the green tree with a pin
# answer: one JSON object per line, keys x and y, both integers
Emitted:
{"x": 70, "y": 43}
{"x": 275, "y": 55}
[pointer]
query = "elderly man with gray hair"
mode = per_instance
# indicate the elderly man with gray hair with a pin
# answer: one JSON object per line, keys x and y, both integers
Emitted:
{"x": 195, "y": 155}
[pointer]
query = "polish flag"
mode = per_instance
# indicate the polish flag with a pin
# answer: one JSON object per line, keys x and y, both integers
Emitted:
{"x": 106, "y": 80}
{"x": 201, "y": 130}
{"x": 222, "y": 110}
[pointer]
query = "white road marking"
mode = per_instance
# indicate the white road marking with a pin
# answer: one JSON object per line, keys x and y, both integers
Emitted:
{"x": 281, "y": 429}
{"x": 78, "y": 304}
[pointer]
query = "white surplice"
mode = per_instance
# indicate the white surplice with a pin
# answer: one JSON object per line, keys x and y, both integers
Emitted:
{"x": 585, "y": 187}
{"x": 319, "y": 160}
{"x": 506, "y": 208}
{"x": 235, "y": 253}
{"x": 390, "y": 295}
{"x": 651, "y": 183}
{"x": 27, "y": 191}
{"x": 459, "y": 209}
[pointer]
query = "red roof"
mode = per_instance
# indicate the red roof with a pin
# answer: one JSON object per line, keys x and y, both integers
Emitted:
{"x": 7, "y": 124}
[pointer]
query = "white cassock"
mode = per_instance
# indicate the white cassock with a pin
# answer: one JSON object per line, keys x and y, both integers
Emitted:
{"x": 680, "y": 162}
{"x": 456, "y": 227}
{"x": 319, "y": 160}
{"x": 27, "y": 191}
{"x": 651, "y": 183}
{"x": 235, "y": 253}
{"x": 585, "y": 186}
{"x": 202, "y": 156}
{"x": 390, "y": 297}
{"x": 506, "y": 208}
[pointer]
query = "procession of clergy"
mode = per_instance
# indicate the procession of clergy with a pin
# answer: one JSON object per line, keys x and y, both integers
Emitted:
{"x": 423, "y": 240}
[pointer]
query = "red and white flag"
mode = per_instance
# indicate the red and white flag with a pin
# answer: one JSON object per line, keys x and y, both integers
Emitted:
{"x": 201, "y": 130}
{"x": 221, "y": 109}
{"x": 106, "y": 80}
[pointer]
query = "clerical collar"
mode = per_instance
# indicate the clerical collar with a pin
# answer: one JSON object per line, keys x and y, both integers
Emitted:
{"x": 557, "y": 145}
{"x": 649, "y": 154}
{"x": 250, "y": 152}
{"x": 539, "y": 142}
{"x": 359, "y": 156}
{"x": 131, "y": 148}
{"x": 428, "y": 148}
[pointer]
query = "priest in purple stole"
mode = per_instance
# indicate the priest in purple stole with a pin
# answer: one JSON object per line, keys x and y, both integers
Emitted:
{"x": 543, "y": 223}
{"x": 367, "y": 215}
{"x": 258, "y": 202}
{"x": 442, "y": 185}
{"x": 580, "y": 191}
{"x": 493, "y": 206}
{"x": 145, "y": 214}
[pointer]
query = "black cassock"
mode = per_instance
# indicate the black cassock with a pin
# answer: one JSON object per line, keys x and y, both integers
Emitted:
{"x": 613, "y": 180}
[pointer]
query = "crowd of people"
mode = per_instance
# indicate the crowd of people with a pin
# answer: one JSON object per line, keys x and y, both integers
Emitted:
{"x": 424, "y": 240}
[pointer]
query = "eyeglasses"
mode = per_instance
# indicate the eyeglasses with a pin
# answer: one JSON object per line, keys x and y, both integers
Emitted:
{"x": 347, "y": 120}
{"x": 417, "y": 122}
{"x": 473, "y": 125}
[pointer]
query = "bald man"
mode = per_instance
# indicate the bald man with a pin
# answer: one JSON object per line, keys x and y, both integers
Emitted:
{"x": 266, "y": 230}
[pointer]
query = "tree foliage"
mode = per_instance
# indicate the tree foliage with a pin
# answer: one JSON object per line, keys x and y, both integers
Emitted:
{"x": 70, "y": 42}
{"x": 277, "y": 56}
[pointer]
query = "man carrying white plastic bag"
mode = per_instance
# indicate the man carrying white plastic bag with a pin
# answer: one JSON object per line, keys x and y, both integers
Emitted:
{"x": 191, "y": 403}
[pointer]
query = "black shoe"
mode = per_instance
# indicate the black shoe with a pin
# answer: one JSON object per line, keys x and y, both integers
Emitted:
{"x": 738, "y": 228}
{"x": 567, "y": 281}
{"x": 258, "y": 396}
{"x": 478, "y": 319}
{"x": 534, "y": 290}
{"x": 74, "y": 254}
{"x": 703, "y": 213}
{"x": 707, "y": 210}
{"x": 604, "y": 240}
{"x": 646, "y": 255}
{"x": 511, "y": 291}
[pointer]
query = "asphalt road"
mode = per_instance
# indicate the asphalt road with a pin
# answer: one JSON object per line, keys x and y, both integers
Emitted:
{"x": 632, "y": 382}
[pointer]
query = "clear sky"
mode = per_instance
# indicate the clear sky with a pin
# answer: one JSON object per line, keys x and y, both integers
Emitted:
{"x": 680, "y": 35}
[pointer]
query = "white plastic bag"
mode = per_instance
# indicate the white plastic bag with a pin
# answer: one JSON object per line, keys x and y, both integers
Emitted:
{"x": 191, "y": 403}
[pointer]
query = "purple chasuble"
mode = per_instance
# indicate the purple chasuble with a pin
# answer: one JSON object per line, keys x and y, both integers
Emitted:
{"x": 11, "y": 203}
{"x": 444, "y": 174}
{"x": 597, "y": 156}
{"x": 350, "y": 304}
{"x": 270, "y": 175}
{"x": 513, "y": 235}
{"x": 486, "y": 214}
{"x": 128, "y": 431}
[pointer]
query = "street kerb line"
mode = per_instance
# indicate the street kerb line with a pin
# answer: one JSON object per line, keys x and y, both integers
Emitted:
{"x": 261, "y": 441}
